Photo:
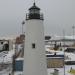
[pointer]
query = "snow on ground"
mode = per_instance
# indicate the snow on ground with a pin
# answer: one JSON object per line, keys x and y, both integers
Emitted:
{"x": 7, "y": 57}
{"x": 51, "y": 70}
{"x": 5, "y": 72}
{"x": 61, "y": 70}
{"x": 18, "y": 73}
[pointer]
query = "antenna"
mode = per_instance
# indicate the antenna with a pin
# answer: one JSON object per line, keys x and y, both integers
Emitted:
{"x": 34, "y": 1}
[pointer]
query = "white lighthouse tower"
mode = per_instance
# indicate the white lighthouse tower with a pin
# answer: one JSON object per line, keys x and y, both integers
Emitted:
{"x": 34, "y": 53}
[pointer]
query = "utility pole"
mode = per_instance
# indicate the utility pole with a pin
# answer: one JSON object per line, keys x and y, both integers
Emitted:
{"x": 64, "y": 48}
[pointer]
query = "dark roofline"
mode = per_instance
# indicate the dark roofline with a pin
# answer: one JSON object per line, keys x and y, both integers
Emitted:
{"x": 55, "y": 56}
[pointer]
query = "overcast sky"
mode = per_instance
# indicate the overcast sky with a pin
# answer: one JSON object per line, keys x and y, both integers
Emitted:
{"x": 59, "y": 15}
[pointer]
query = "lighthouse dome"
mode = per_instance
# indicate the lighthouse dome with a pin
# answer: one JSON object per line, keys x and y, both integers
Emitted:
{"x": 34, "y": 7}
{"x": 34, "y": 13}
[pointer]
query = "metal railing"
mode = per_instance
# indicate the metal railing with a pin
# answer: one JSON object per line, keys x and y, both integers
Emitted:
{"x": 34, "y": 16}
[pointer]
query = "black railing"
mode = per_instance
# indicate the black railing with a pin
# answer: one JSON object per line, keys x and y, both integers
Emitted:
{"x": 34, "y": 16}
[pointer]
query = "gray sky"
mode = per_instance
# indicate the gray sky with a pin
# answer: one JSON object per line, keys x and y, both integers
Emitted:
{"x": 59, "y": 15}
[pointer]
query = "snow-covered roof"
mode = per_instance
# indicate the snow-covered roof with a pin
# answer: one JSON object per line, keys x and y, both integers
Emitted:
{"x": 63, "y": 37}
{"x": 53, "y": 51}
{"x": 6, "y": 57}
{"x": 10, "y": 37}
{"x": 71, "y": 56}
{"x": 19, "y": 58}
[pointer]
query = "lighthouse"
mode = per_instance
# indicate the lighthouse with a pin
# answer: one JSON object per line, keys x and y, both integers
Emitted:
{"x": 34, "y": 52}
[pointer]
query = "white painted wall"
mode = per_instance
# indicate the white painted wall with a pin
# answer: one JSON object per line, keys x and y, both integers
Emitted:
{"x": 34, "y": 59}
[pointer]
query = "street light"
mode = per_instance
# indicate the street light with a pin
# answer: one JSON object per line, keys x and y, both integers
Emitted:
{"x": 22, "y": 27}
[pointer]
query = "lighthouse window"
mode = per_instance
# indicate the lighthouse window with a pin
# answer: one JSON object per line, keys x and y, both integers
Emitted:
{"x": 34, "y": 11}
{"x": 33, "y": 45}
